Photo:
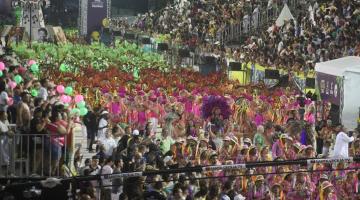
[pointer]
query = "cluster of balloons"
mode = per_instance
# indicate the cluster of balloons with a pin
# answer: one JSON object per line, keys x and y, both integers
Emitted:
{"x": 18, "y": 79}
{"x": 66, "y": 98}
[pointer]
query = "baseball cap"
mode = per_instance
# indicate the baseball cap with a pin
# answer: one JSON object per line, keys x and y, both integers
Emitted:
{"x": 135, "y": 132}
{"x": 104, "y": 112}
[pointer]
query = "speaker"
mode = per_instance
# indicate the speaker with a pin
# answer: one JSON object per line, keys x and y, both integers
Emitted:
{"x": 117, "y": 33}
{"x": 210, "y": 60}
{"x": 235, "y": 66}
{"x": 283, "y": 81}
{"x": 272, "y": 74}
{"x": 184, "y": 53}
{"x": 163, "y": 47}
{"x": 146, "y": 40}
{"x": 310, "y": 82}
{"x": 129, "y": 36}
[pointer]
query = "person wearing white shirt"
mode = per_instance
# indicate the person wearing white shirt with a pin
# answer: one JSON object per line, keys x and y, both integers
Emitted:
{"x": 107, "y": 169}
{"x": 103, "y": 125}
{"x": 109, "y": 144}
{"x": 341, "y": 148}
{"x": 4, "y": 139}
{"x": 43, "y": 92}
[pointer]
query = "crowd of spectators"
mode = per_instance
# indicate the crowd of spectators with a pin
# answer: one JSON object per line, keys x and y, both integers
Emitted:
{"x": 263, "y": 125}
{"x": 329, "y": 31}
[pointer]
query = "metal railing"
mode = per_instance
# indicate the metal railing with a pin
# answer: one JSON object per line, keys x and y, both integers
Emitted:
{"x": 259, "y": 18}
{"x": 25, "y": 155}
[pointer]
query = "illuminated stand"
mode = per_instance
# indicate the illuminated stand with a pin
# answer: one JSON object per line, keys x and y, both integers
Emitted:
{"x": 91, "y": 15}
{"x": 32, "y": 19}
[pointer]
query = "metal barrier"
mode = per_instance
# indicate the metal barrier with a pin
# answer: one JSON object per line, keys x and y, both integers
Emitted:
{"x": 33, "y": 154}
{"x": 244, "y": 170}
{"x": 258, "y": 18}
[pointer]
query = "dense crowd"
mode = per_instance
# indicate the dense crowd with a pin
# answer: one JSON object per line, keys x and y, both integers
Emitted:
{"x": 138, "y": 128}
{"x": 329, "y": 31}
{"x": 197, "y": 128}
{"x": 202, "y": 130}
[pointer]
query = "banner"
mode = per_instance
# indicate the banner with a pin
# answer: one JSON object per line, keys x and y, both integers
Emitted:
{"x": 329, "y": 87}
{"x": 96, "y": 13}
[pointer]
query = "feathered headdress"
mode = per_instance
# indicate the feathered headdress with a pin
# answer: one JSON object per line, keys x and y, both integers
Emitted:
{"x": 212, "y": 102}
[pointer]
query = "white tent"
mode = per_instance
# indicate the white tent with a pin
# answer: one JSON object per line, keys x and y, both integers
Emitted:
{"x": 339, "y": 81}
{"x": 285, "y": 15}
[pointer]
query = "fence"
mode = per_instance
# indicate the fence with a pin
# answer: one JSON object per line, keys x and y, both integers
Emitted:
{"x": 257, "y": 19}
{"x": 25, "y": 155}
{"x": 75, "y": 182}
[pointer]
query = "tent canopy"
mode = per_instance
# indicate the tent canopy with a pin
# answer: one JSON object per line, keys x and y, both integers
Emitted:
{"x": 285, "y": 15}
{"x": 337, "y": 67}
{"x": 348, "y": 68}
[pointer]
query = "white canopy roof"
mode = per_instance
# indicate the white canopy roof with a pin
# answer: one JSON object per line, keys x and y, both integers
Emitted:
{"x": 337, "y": 67}
{"x": 285, "y": 15}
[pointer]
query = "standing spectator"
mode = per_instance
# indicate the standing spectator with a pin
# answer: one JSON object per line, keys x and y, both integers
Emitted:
{"x": 38, "y": 127}
{"x": 103, "y": 125}
{"x": 118, "y": 182}
{"x": 259, "y": 139}
{"x": 106, "y": 169}
{"x": 5, "y": 133}
{"x": 43, "y": 91}
{"x": 341, "y": 148}
{"x": 3, "y": 97}
{"x": 91, "y": 127}
{"x": 57, "y": 141}
{"x": 109, "y": 144}
{"x": 23, "y": 115}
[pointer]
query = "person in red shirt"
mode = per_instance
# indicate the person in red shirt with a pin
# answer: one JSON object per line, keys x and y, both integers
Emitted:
{"x": 58, "y": 129}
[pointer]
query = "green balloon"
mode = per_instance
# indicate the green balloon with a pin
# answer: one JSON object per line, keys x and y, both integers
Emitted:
{"x": 18, "y": 79}
{"x": 1, "y": 74}
{"x": 34, "y": 93}
{"x": 68, "y": 90}
{"x": 136, "y": 74}
{"x": 63, "y": 67}
{"x": 75, "y": 111}
{"x": 83, "y": 111}
{"x": 34, "y": 68}
{"x": 81, "y": 104}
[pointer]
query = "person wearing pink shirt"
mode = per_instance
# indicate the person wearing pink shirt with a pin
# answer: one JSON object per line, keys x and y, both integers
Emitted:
{"x": 310, "y": 116}
{"x": 278, "y": 148}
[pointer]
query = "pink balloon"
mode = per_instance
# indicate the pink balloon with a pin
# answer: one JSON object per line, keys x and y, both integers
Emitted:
{"x": 31, "y": 62}
{"x": 2, "y": 66}
{"x": 10, "y": 101}
{"x": 60, "y": 89}
{"x": 79, "y": 98}
{"x": 63, "y": 98}
{"x": 68, "y": 99}
{"x": 12, "y": 84}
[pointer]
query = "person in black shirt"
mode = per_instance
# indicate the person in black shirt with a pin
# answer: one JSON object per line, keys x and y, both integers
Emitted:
{"x": 37, "y": 139}
{"x": 90, "y": 122}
